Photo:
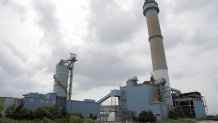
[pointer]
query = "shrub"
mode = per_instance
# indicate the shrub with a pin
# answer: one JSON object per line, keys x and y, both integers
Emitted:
{"x": 145, "y": 116}
{"x": 60, "y": 120}
{"x": 183, "y": 113}
{"x": 93, "y": 117}
{"x": 19, "y": 113}
{"x": 46, "y": 120}
{"x": 55, "y": 112}
{"x": 75, "y": 119}
{"x": 172, "y": 114}
{"x": 89, "y": 121}
{"x": 77, "y": 114}
{"x": 42, "y": 112}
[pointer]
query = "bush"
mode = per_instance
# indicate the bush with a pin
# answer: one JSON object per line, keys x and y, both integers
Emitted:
{"x": 77, "y": 114}
{"x": 19, "y": 113}
{"x": 42, "y": 112}
{"x": 172, "y": 114}
{"x": 46, "y": 120}
{"x": 10, "y": 111}
{"x": 91, "y": 121}
{"x": 1, "y": 106}
{"x": 93, "y": 117}
{"x": 49, "y": 112}
{"x": 183, "y": 113}
{"x": 60, "y": 120}
{"x": 146, "y": 117}
{"x": 75, "y": 119}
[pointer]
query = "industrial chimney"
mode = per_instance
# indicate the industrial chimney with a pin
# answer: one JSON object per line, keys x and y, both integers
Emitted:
{"x": 160, "y": 70}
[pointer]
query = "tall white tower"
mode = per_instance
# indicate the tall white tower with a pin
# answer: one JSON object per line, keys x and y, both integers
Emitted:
{"x": 160, "y": 70}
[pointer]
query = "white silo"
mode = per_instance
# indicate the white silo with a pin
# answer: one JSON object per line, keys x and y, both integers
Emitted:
{"x": 61, "y": 79}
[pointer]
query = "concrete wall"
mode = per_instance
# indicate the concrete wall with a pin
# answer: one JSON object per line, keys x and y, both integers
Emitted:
{"x": 83, "y": 107}
{"x": 199, "y": 109}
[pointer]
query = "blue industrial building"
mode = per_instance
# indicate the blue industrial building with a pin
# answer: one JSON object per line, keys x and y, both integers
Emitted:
{"x": 143, "y": 97}
{"x": 137, "y": 97}
{"x": 36, "y": 100}
{"x": 85, "y": 107}
{"x": 132, "y": 99}
{"x": 61, "y": 95}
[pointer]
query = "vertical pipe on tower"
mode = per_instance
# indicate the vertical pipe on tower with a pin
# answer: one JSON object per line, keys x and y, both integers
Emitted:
{"x": 72, "y": 61}
{"x": 160, "y": 70}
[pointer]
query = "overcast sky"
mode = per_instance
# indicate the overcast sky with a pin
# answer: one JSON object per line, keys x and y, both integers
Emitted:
{"x": 111, "y": 42}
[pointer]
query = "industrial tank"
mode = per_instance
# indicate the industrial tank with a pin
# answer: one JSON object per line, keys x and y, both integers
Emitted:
{"x": 61, "y": 79}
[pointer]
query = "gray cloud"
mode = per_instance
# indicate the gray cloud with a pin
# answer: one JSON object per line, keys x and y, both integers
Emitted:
{"x": 109, "y": 23}
{"x": 189, "y": 31}
{"x": 110, "y": 56}
{"x": 11, "y": 60}
{"x": 14, "y": 71}
{"x": 17, "y": 9}
{"x": 191, "y": 20}
{"x": 52, "y": 36}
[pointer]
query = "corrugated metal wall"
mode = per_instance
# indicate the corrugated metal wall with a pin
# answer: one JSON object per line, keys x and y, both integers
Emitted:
{"x": 83, "y": 107}
{"x": 199, "y": 109}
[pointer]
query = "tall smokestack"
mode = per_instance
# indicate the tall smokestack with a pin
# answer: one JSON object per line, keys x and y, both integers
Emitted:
{"x": 160, "y": 70}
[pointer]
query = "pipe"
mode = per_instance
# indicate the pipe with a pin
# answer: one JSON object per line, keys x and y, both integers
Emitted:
{"x": 158, "y": 82}
{"x": 60, "y": 84}
{"x": 176, "y": 90}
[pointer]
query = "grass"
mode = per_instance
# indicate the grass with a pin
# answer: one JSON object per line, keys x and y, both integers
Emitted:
{"x": 73, "y": 119}
{"x": 185, "y": 120}
{"x": 77, "y": 119}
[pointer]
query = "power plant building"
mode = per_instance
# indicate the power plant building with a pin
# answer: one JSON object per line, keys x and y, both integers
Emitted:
{"x": 130, "y": 100}
{"x": 137, "y": 97}
{"x": 156, "y": 94}
{"x": 134, "y": 98}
